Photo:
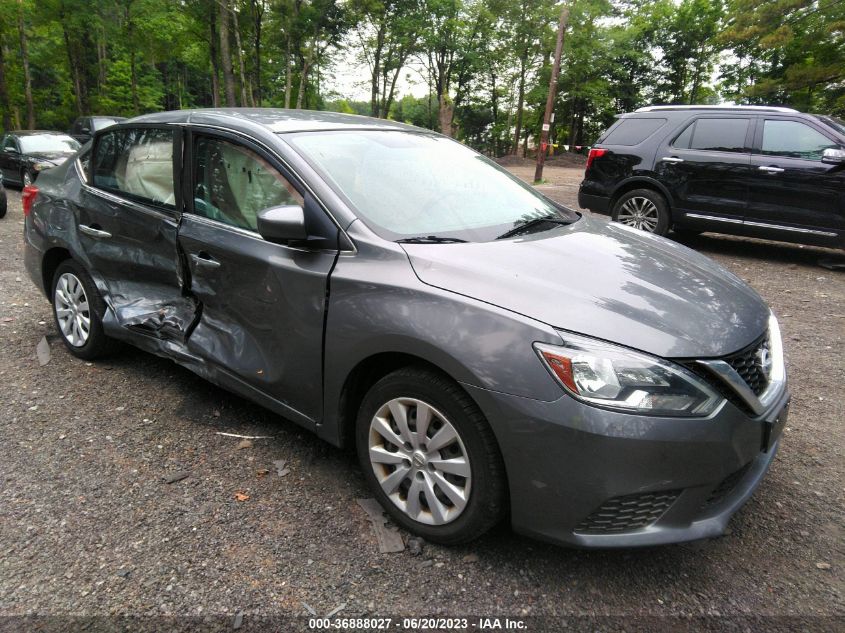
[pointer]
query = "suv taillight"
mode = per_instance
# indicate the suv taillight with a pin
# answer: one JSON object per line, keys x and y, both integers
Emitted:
{"x": 27, "y": 198}
{"x": 594, "y": 154}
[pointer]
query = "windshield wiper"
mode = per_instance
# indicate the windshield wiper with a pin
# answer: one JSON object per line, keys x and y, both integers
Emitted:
{"x": 530, "y": 224}
{"x": 430, "y": 239}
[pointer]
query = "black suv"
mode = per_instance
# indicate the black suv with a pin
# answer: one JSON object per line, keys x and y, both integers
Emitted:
{"x": 759, "y": 171}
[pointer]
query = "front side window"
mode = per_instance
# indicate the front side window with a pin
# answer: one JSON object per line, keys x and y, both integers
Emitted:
{"x": 233, "y": 184}
{"x": 407, "y": 184}
{"x": 794, "y": 140}
{"x": 137, "y": 163}
{"x": 9, "y": 144}
{"x": 714, "y": 135}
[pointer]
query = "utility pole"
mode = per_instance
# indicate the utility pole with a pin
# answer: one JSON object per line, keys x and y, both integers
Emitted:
{"x": 550, "y": 99}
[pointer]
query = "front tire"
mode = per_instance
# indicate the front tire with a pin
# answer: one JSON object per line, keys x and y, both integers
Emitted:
{"x": 430, "y": 457}
{"x": 78, "y": 310}
{"x": 26, "y": 178}
{"x": 643, "y": 209}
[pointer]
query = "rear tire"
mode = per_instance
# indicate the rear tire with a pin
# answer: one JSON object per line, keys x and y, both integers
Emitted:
{"x": 643, "y": 209}
{"x": 447, "y": 487}
{"x": 78, "y": 310}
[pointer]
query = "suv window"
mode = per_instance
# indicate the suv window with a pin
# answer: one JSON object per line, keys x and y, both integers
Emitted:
{"x": 137, "y": 163}
{"x": 9, "y": 143}
{"x": 234, "y": 183}
{"x": 794, "y": 139}
{"x": 632, "y": 131}
{"x": 714, "y": 135}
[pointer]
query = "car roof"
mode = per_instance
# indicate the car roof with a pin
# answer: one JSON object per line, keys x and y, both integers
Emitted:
{"x": 275, "y": 120}
{"x": 727, "y": 108}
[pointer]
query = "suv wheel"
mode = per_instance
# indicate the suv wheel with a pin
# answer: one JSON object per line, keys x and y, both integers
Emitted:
{"x": 78, "y": 310}
{"x": 430, "y": 457}
{"x": 643, "y": 209}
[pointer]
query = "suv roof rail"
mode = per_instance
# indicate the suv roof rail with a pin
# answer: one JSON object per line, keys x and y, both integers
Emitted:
{"x": 715, "y": 107}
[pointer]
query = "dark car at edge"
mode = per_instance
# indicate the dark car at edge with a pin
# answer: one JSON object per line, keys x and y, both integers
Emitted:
{"x": 766, "y": 172}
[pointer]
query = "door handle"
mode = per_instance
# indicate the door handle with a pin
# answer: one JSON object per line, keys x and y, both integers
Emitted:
{"x": 204, "y": 259}
{"x": 770, "y": 169}
{"x": 672, "y": 159}
{"x": 90, "y": 230}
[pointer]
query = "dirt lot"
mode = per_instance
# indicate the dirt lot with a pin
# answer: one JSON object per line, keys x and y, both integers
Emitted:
{"x": 89, "y": 526}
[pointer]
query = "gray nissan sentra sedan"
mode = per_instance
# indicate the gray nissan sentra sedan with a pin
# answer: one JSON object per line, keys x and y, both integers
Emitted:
{"x": 487, "y": 352}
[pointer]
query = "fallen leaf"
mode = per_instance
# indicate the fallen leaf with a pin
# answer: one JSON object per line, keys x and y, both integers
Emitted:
{"x": 261, "y": 472}
{"x": 823, "y": 565}
{"x": 244, "y": 444}
{"x": 240, "y": 496}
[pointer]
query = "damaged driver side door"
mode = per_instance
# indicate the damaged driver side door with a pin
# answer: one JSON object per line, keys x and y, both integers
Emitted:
{"x": 261, "y": 304}
{"x": 127, "y": 222}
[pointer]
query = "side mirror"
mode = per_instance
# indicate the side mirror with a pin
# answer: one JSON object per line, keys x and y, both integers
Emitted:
{"x": 833, "y": 156}
{"x": 282, "y": 224}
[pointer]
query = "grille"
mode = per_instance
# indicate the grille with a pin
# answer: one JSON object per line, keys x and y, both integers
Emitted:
{"x": 631, "y": 512}
{"x": 725, "y": 487}
{"x": 747, "y": 365}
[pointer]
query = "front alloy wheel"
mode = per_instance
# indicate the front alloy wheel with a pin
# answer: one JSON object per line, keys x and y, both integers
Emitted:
{"x": 420, "y": 461}
{"x": 26, "y": 178}
{"x": 430, "y": 457}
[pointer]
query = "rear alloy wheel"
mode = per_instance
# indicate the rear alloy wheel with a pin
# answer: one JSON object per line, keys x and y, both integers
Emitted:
{"x": 430, "y": 456}
{"x": 643, "y": 209}
{"x": 78, "y": 310}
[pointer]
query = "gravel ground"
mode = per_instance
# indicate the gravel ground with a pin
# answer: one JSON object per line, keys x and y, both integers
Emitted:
{"x": 89, "y": 526}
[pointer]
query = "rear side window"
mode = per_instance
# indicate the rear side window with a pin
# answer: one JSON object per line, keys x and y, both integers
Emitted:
{"x": 136, "y": 163}
{"x": 632, "y": 131}
{"x": 794, "y": 140}
{"x": 714, "y": 135}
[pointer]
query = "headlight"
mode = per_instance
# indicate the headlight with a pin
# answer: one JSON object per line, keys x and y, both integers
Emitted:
{"x": 618, "y": 378}
{"x": 41, "y": 166}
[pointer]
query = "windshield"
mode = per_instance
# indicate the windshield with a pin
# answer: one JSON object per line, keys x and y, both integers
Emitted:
{"x": 406, "y": 185}
{"x": 101, "y": 123}
{"x": 47, "y": 143}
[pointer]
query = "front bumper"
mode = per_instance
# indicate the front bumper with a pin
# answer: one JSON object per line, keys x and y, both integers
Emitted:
{"x": 588, "y": 477}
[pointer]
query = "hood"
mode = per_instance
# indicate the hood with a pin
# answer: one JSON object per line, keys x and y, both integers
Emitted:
{"x": 57, "y": 158}
{"x": 607, "y": 281}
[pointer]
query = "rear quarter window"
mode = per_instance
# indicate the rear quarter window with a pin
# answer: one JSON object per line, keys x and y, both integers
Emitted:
{"x": 632, "y": 131}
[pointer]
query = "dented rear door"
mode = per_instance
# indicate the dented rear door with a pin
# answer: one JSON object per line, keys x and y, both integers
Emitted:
{"x": 127, "y": 225}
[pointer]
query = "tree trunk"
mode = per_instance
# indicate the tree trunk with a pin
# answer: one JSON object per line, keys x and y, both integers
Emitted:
{"x": 226, "y": 55}
{"x": 74, "y": 71}
{"x": 303, "y": 78}
{"x": 27, "y": 78}
{"x": 523, "y": 60}
{"x": 446, "y": 113}
{"x": 288, "y": 73}
{"x": 246, "y": 95}
{"x": 257, "y": 14}
{"x": 4, "y": 94}
{"x": 215, "y": 59}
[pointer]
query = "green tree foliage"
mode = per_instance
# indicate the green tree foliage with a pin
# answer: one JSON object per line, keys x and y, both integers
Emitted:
{"x": 483, "y": 65}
